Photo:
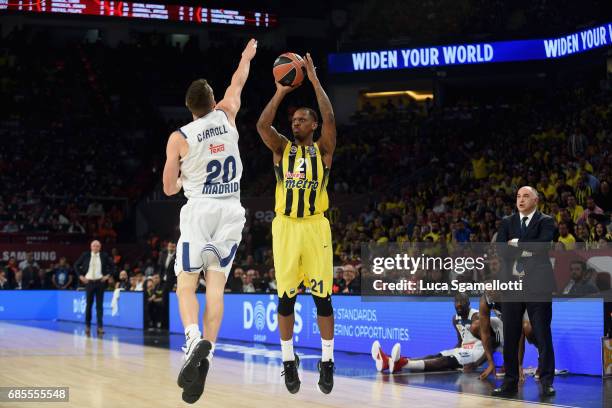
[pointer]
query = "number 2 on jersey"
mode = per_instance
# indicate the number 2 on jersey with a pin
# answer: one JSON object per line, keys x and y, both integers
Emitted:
{"x": 214, "y": 168}
{"x": 301, "y": 165}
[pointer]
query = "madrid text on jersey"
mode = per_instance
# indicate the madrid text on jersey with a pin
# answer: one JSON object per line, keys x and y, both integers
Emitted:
{"x": 208, "y": 133}
{"x": 224, "y": 188}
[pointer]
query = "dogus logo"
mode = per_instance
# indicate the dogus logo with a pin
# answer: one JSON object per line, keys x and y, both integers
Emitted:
{"x": 261, "y": 316}
{"x": 78, "y": 305}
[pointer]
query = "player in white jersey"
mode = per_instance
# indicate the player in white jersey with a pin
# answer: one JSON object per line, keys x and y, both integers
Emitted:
{"x": 205, "y": 154}
{"x": 468, "y": 353}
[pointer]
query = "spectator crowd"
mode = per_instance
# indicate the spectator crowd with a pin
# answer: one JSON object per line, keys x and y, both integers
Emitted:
{"x": 82, "y": 155}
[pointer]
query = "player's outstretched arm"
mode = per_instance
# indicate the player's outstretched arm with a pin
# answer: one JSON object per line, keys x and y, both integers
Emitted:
{"x": 459, "y": 339}
{"x": 327, "y": 142}
{"x": 521, "y": 356}
{"x": 230, "y": 104}
{"x": 172, "y": 183}
{"x": 270, "y": 136}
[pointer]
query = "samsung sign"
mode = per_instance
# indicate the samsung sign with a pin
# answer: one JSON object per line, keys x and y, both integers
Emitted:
{"x": 482, "y": 53}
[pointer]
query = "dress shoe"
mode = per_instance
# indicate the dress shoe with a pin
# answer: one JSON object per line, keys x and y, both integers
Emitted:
{"x": 548, "y": 391}
{"x": 506, "y": 390}
{"x": 100, "y": 331}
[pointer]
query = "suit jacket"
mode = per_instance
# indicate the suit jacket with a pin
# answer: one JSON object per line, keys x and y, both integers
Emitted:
{"x": 539, "y": 278}
{"x": 81, "y": 266}
{"x": 167, "y": 275}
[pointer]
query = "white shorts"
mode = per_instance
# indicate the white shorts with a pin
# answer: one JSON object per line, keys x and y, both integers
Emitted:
{"x": 209, "y": 224}
{"x": 467, "y": 353}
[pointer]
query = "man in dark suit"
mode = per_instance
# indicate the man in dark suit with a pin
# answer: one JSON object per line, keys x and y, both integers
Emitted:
{"x": 165, "y": 269}
{"x": 94, "y": 268}
{"x": 165, "y": 265}
{"x": 523, "y": 242}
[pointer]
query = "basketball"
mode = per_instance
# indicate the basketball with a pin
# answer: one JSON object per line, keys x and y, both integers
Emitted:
{"x": 289, "y": 69}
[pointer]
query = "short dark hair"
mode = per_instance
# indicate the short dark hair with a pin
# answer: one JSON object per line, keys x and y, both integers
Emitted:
{"x": 199, "y": 98}
{"x": 582, "y": 264}
{"x": 311, "y": 112}
{"x": 462, "y": 298}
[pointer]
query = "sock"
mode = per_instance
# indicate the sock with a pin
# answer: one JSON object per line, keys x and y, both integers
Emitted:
{"x": 401, "y": 363}
{"x": 416, "y": 365}
{"x": 192, "y": 333}
{"x": 210, "y": 353}
{"x": 287, "y": 350}
{"x": 327, "y": 350}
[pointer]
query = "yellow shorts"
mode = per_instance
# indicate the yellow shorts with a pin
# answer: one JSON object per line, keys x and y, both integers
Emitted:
{"x": 302, "y": 253}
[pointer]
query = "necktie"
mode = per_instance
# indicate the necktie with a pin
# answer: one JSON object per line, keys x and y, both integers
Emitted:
{"x": 94, "y": 272}
{"x": 520, "y": 268}
{"x": 524, "y": 226}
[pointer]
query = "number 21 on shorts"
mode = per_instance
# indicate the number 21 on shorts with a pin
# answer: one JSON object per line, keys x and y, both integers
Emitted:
{"x": 313, "y": 286}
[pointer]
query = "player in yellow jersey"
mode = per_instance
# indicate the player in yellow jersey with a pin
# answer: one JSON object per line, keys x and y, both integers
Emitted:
{"x": 301, "y": 235}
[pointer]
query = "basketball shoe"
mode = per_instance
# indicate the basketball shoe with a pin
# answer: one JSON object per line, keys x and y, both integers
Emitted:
{"x": 193, "y": 373}
{"x": 396, "y": 361}
{"x": 379, "y": 357}
{"x": 290, "y": 372}
{"x": 326, "y": 376}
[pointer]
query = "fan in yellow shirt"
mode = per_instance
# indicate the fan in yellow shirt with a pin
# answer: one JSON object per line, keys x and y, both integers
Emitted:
{"x": 574, "y": 208}
{"x": 567, "y": 239}
{"x": 480, "y": 167}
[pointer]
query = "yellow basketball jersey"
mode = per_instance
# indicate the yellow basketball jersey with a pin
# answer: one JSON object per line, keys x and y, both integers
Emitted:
{"x": 301, "y": 182}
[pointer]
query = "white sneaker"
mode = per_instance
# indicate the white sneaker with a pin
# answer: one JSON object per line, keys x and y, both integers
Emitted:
{"x": 396, "y": 353}
{"x": 376, "y": 355}
{"x": 189, "y": 347}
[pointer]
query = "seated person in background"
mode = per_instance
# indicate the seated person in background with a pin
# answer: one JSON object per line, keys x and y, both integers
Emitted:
{"x": 62, "y": 275}
{"x": 579, "y": 285}
{"x": 4, "y": 283}
{"x": 124, "y": 282}
{"x": 39, "y": 280}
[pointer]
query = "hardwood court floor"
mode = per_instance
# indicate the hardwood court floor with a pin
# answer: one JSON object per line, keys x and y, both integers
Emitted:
{"x": 106, "y": 372}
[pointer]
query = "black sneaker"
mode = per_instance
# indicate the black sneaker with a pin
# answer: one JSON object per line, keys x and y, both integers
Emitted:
{"x": 190, "y": 372}
{"x": 326, "y": 376}
{"x": 193, "y": 392}
{"x": 292, "y": 379}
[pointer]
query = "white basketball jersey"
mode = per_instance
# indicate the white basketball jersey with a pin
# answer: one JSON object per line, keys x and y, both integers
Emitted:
{"x": 463, "y": 326}
{"x": 212, "y": 167}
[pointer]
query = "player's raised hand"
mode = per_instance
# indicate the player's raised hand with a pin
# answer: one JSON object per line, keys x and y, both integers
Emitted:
{"x": 250, "y": 50}
{"x": 284, "y": 89}
{"x": 311, "y": 70}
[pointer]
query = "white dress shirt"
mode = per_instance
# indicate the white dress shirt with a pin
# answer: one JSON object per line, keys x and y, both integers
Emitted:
{"x": 95, "y": 267}
{"x": 529, "y": 216}
{"x": 169, "y": 258}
